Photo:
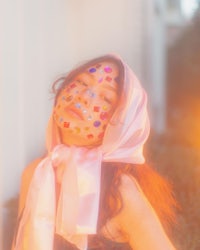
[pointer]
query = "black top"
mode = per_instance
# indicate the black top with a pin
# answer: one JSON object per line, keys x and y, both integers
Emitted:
{"x": 96, "y": 242}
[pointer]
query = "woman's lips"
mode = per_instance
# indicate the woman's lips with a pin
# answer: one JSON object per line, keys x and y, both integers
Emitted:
{"x": 74, "y": 112}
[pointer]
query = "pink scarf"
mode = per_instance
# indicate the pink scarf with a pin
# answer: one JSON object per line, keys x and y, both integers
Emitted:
{"x": 77, "y": 211}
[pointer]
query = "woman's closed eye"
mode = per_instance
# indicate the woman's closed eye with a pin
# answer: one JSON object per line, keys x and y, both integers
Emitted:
{"x": 82, "y": 83}
{"x": 107, "y": 99}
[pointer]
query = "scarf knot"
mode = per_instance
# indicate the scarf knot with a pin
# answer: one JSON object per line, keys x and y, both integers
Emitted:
{"x": 59, "y": 154}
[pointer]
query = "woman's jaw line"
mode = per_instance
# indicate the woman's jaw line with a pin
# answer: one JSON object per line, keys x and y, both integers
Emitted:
{"x": 76, "y": 140}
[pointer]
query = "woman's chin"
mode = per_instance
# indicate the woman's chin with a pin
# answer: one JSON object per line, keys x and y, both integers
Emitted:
{"x": 78, "y": 140}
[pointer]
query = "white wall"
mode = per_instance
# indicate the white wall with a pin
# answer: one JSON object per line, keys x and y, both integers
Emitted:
{"x": 107, "y": 26}
{"x": 32, "y": 46}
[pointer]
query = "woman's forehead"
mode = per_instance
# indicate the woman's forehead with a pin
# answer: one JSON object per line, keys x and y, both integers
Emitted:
{"x": 103, "y": 75}
{"x": 106, "y": 67}
{"x": 100, "y": 72}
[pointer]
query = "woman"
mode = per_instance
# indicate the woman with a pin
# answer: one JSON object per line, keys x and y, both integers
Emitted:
{"x": 92, "y": 190}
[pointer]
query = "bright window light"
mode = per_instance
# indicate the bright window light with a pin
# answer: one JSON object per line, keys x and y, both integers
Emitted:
{"x": 188, "y": 7}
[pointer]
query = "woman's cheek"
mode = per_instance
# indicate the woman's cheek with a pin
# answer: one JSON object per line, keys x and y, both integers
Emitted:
{"x": 98, "y": 125}
{"x": 95, "y": 131}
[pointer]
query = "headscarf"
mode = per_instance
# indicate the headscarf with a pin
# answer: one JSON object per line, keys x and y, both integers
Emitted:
{"x": 76, "y": 213}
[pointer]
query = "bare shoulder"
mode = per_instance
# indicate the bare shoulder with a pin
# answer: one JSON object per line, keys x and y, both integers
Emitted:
{"x": 138, "y": 214}
{"x": 130, "y": 188}
{"x": 129, "y": 182}
{"x": 133, "y": 198}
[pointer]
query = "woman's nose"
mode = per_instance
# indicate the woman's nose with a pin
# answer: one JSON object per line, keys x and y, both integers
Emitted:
{"x": 90, "y": 93}
{"x": 86, "y": 95}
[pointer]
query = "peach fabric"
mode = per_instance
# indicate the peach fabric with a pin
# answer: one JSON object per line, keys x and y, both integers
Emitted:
{"x": 77, "y": 210}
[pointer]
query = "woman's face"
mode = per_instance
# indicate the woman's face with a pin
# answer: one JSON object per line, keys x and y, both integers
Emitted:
{"x": 85, "y": 106}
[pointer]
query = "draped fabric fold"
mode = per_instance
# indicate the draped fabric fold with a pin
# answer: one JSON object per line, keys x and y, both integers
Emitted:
{"x": 77, "y": 209}
{"x": 74, "y": 215}
{"x": 38, "y": 220}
